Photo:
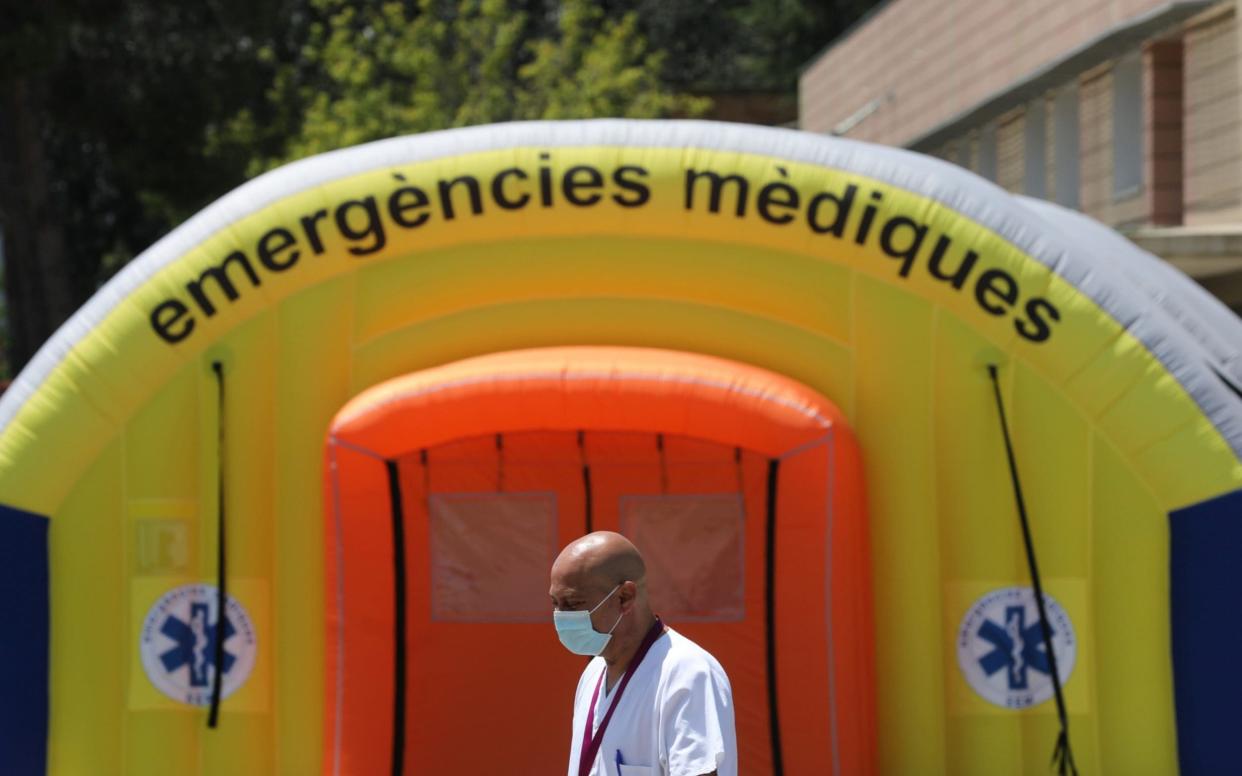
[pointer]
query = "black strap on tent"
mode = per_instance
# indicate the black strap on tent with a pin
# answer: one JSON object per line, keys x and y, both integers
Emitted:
{"x": 217, "y": 681}
{"x": 500, "y": 463}
{"x": 1228, "y": 382}
{"x": 663, "y": 464}
{"x": 586, "y": 483}
{"x": 422, "y": 461}
{"x": 774, "y": 466}
{"x": 398, "y": 574}
{"x": 1062, "y": 755}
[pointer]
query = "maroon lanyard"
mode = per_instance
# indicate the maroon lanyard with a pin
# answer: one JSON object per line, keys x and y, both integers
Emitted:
{"x": 591, "y": 744}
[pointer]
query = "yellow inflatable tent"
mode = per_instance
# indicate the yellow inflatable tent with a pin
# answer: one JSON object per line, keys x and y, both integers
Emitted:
{"x": 169, "y": 454}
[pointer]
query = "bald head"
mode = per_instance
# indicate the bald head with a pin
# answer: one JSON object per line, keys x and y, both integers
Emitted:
{"x": 602, "y": 559}
{"x": 604, "y": 574}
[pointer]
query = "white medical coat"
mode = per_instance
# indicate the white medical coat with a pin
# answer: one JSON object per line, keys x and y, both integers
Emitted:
{"x": 674, "y": 719}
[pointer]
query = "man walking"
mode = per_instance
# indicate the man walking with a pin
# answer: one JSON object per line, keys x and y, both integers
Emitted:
{"x": 652, "y": 702}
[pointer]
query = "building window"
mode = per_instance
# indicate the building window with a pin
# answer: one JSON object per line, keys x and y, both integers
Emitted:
{"x": 963, "y": 152}
{"x": 1065, "y": 142}
{"x": 1035, "y": 170}
{"x": 987, "y": 151}
{"x": 1127, "y": 127}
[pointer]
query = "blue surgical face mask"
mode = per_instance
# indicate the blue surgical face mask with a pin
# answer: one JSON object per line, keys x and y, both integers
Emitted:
{"x": 577, "y": 633}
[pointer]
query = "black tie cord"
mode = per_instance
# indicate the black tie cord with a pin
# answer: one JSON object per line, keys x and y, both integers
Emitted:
{"x": 217, "y": 679}
{"x": 587, "y": 494}
{"x": 423, "y": 462}
{"x": 399, "y": 614}
{"x": 769, "y": 593}
{"x": 1062, "y": 755}
{"x": 500, "y": 463}
{"x": 663, "y": 465}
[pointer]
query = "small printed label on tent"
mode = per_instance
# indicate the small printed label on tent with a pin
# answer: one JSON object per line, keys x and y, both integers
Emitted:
{"x": 178, "y": 644}
{"x": 1001, "y": 649}
{"x": 162, "y": 546}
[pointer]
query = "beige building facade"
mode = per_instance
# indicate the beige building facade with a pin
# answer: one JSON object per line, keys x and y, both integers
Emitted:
{"x": 1127, "y": 110}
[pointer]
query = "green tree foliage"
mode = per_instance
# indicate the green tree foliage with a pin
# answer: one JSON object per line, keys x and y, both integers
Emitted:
{"x": 103, "y": 105}
{"x": 370, "y": 71}
{"x": 120, "y": 118}
{"x": 714, "y": 46}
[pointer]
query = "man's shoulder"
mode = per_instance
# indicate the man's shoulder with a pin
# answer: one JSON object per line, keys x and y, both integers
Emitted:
{"x": 686, "y": 659}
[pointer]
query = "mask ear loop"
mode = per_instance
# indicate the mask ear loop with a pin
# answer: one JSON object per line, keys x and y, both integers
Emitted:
{"x": 616, "y": 623}
{"x": 603, "y": 600}
{"x": 619, "y": 616}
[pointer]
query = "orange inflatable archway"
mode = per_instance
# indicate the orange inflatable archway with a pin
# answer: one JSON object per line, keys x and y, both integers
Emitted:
{"x": 534, "y": 448}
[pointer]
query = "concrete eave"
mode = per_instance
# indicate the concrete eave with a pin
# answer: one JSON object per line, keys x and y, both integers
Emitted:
{"x": 1212, "y": 255}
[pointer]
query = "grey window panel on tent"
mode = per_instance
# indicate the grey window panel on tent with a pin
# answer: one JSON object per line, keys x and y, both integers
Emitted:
{"x": 490, "y": 555}
{"x": 693, "y": 546}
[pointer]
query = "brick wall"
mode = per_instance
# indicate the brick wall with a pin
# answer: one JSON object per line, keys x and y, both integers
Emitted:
{"x": 927, "y": 61}
{"x": 1191, "y": 98}
{"x": 1162, "y": 131}
{"x": 1212, "y": 127}
{"x": 1158, "y": 199}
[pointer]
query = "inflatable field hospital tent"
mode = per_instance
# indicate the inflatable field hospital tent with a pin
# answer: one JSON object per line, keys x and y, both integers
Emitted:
{"x": 360, "y": 403}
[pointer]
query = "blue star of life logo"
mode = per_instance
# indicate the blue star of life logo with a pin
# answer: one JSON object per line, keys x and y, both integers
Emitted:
{"x": 195, "y": 645}
{"x": 1017, "y": 647}
{"x": 178, "y": 644}
{"x": 1001, "y": 650}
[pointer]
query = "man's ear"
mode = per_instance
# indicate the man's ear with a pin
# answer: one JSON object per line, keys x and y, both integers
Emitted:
{"x": 628, "y": 595}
